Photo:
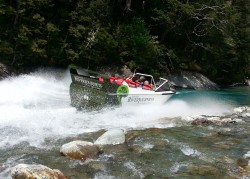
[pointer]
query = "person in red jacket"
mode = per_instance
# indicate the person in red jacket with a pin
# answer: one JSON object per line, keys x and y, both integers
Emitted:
{"x": 146, "y": 85}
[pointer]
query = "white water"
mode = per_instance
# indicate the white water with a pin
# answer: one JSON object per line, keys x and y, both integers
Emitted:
{"x": 36, "y": 107}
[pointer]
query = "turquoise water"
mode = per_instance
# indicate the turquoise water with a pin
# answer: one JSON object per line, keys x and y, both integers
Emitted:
{"x": 36, "y": 119}
{"x": 233, "y": 95}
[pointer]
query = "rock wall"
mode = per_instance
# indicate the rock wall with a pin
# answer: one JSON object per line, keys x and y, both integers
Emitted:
{"x": 192, "y": 80}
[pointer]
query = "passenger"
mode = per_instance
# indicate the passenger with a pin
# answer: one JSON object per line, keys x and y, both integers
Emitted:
{"x": 114, "y": 78}
{"x": 118, "y": 79}
{"x": 140, "y": 81}
{"x": 117, "y": 76}
{"x": 146, "y": 85}
{"x": 111, "y": 79}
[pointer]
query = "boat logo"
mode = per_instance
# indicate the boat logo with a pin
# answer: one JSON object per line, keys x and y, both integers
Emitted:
{"x": 136, "y": 99}
{"x": 122, "y": 91}
{"x": 88, "y": 83}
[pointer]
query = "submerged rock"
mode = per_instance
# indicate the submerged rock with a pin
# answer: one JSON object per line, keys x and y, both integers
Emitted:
{"x": 192, "y": 80}
{"x": 132, "y": 135}
{"x": 111, "y": 137}
{"x": 203, "y": 170}
{"x": 242, "y": 162}
{"x": 80, "y": 150}
{"x": 23, "y": 171}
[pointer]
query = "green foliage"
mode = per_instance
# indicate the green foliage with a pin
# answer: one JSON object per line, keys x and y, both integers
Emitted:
{"x": 212, "y": 37}
{"x": 137, "y": 46}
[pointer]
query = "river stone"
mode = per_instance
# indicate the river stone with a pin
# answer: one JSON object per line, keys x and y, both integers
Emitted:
{"x": 132, "y": 135}
{"x": 23, "y": 171}
{"x": 111, "y": 137}
{"x": 201, "y": 121}
{"x": 203, "y": 170}
{"x": 80, "y": 150}
{"x": 245, "y": 115}
{"x": 242, "y": 162}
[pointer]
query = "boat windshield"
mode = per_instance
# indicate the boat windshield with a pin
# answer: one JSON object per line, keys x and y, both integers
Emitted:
{"x": 162, "y": 85}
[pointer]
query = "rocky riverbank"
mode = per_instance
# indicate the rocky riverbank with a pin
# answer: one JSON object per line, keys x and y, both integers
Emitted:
{"x": 216, "y": 135}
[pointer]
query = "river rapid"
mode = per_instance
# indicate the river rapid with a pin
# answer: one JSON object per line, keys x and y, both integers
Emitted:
{"x": 36, "y": 119}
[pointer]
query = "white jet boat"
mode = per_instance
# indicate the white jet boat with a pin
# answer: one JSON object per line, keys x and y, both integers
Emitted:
{"x": 92, "y": 90}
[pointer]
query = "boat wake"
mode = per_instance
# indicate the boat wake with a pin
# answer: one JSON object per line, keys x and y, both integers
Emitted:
{"x": 36, "y": 107}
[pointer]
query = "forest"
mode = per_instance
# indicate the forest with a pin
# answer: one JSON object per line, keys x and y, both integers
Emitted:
{"x": 211, "y": 37}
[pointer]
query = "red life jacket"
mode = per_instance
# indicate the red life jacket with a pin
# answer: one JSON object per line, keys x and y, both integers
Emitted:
{"x": 128, "y": 80}
{"x": 119, "y": 81}
{"x": 132, "y": 84}
{"x": 112, "y": 79}
{"x": 147, "y": 87}
{"x": 137, "y": 84}
{"x": 101, "y": 79}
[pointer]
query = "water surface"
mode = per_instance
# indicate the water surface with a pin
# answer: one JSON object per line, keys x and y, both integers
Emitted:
{"x": 36, "y": 119}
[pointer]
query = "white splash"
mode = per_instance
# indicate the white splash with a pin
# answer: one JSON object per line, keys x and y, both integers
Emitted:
{"x": 36, "y": 107}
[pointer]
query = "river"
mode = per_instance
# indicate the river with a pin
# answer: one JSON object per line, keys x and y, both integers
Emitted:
{"x": 36, "y": 119}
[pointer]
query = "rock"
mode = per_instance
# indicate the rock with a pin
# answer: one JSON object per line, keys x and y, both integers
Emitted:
{"x": 239, "y": 110}
{"x": 138, "y": 149}
{"x": 23, "y": 171}
{"x": 111, "y": 137}
{"x": 4, "y": 71}
{"x": 192, "y": 80}
{"x": 242, "y": 109}
{"x": 203, "y": 170}
{"x": 237, "y": 120}
{"x": 242, "y": 162}
{"x": 132, "y": 135}
{"x": 201, "y": 121}
{"x": 246, "y": 115}
{"x": 226, "y": 120}
{"x": 80, "y": 150}
{"x": 98, "y": 166}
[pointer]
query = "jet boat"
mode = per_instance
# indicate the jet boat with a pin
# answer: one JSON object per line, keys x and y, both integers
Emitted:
{"x": 90, "y": 89}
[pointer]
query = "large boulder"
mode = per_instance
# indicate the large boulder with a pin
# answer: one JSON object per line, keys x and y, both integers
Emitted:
{"x": 4, "y": 71}
{"x": 24, "y": 171}
{"x": 80, "y": 150}
{"x": 111, "y": 137}
{"x": 192, "y": 80}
